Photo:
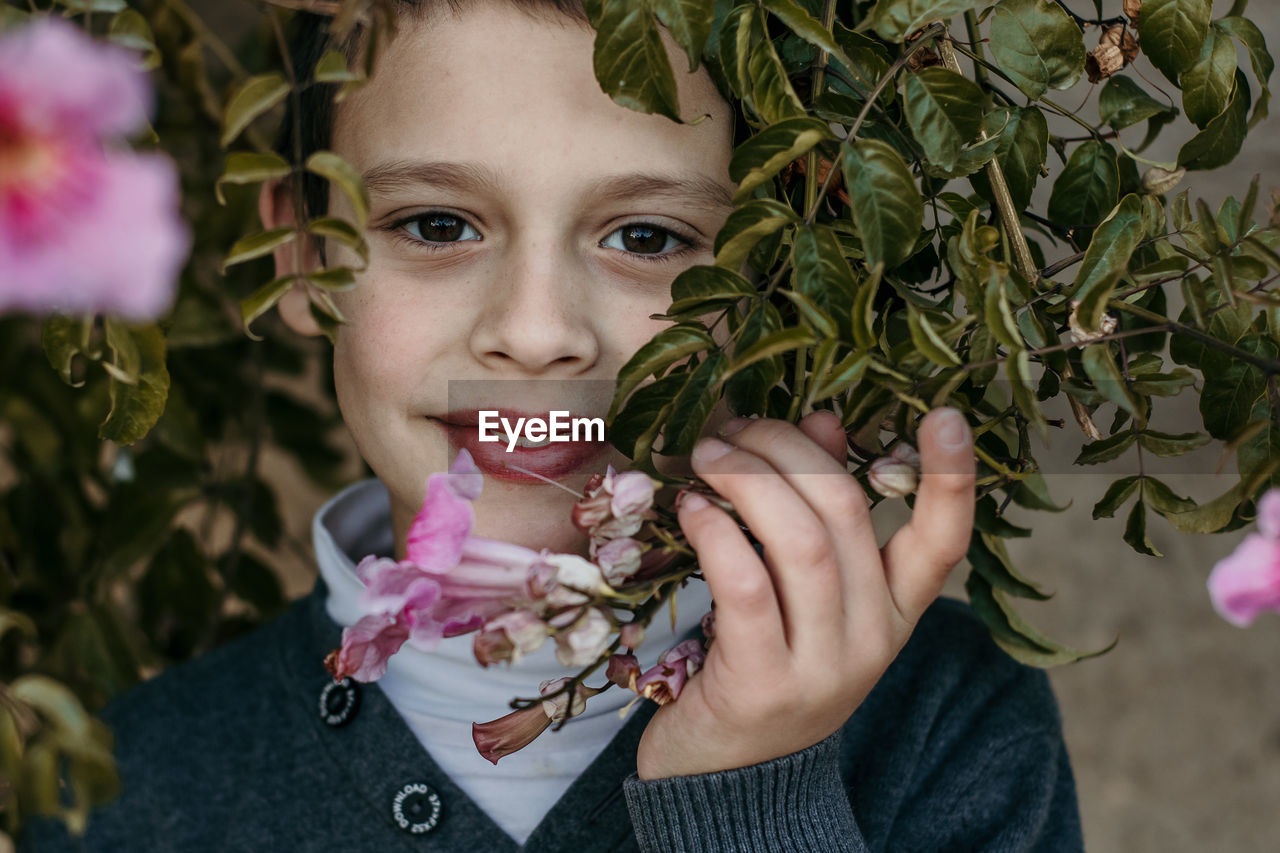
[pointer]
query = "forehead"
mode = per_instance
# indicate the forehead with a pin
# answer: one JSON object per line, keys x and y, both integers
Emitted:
{"x": 512, "y": 92}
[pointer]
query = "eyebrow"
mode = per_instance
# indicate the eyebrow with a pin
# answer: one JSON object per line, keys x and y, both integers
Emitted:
{"x": 688, "y": 188}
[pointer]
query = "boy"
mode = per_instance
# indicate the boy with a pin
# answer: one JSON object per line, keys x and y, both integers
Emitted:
{"x": 524, "y": 227}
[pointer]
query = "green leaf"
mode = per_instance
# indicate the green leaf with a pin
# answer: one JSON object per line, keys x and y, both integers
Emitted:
{"x": 1247, "y": 33}
{"x": 783, "y": 340}
{"x": 1037, "y": 44}
{"x": 822, "y": 274}
{"x": 1107, "y": 449}
{"x": 256, "y": 245}
{"x": 808, "y": 28}
{"x": 1021, "y": 152}
{"x": 1100, "y": 365}
{"x": 254, "y": 97}
{"x": 746, "y": 227}
{"x": 704, "y": 288}
{"x": 1163, "y": 499}
{"x": 689, "y": 22}
{"x": 1123, "y": 103}
{"x": 93, "y": 5}
{"x": 693, "y": 405}
{"x": 1107, "y": 260}
{"x": 737, "y": 39}
{"x": 248, "y": 167}
{"x": 887, "y": 209}
{"x": 1135, "y": 530}
{"x": 772, "y": 96}
{"x": 767, "y": 153}
{"x": 334, "y": 279}
{"x": 1116, "y": 494}
{"x": 944, "y": 110}
{"x": 894, "y": 20}
{"x": 1231, "y": 391}
{"x": 126, "y": 359}
{"x": 1172, "y": 32}
{"x": 989, "y": 558}
{"x": 630, "y": 61}
{"x": 1223, "y": 137}
{"x": 63, "y": 338}
{"x": 1088, "y": 188}
{"x": 747, "y": 389}
{"x": 927, "y": 341}
{"x": 996, "y": 310}
{"x": 332, "y": 68}
{"x": 843, "y": 375}
{"x": 634, "y": 428}
{"x": 1206, "y": 85}
{"x": 130, "y": 29}
{"x": 263, "y": 300}
{"x": 1013, "y": 634}
{"x": 665, "y": 349}
{"x": 1018, "y": 371}
{"x": 344, "y": 176}
{"x": 1211, "y": 516}
{"x": 136, "y": 408}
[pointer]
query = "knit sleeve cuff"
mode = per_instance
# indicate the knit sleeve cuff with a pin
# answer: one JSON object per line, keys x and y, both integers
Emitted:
{"x": 794, "y": 803}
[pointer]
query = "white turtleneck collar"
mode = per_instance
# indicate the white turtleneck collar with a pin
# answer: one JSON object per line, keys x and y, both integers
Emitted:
{"x": 441, "y": 693}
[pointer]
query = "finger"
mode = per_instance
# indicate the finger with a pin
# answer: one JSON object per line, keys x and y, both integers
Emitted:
{"x": 748, "y": 619}
{"x": 798, "y": 546}
{"x": 825, "y": 429}
{"x": 923, "y": 552}
{"x": 831, "y": 492}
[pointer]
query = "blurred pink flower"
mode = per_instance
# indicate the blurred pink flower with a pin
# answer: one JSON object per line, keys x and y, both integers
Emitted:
{"x": 1247, "y": 582}
{"x": 84, "y": 227}
{"x": 664, "y": 680}
{"x": 367, "y": 646}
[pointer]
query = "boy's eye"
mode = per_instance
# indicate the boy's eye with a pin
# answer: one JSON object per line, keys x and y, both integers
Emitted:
{"x": 439, "y": 228}
{"x": 644, "y": 239}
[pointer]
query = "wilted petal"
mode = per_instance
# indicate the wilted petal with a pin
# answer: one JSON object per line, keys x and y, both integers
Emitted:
{"x": 366, "y": 647}
{"x": 632, "y": 493}
{"x": 623, "y": 670}
{"x": 590, "y": 512}
{"x": 577, "y": 573}
{"x": 557, "y": 707}
{"x": 464, "y": 477}
{"x": 508, "y": 734}
{"x": 691, "y": 651}
{"x": 1247, "y": 582}
{"x": 614, "y": 528}
{"x": 619, "y": 559}
{"x": 585, "y": 642}
{"x": 663, "y": 682}
{"x": 509, "y": 636}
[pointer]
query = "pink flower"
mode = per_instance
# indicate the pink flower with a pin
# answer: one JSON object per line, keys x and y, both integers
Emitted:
{"x": 663, "y": 682}
{"x": 1248, "y": 582}
{"x": 623, "y": 670}
{"x": 83, "y": 228}
{"x": 585, "y": 641}
{"x": 631, "y": 635}
{"x": 518, "y": 729}
{"x": 367, "y": 646}
{"x": 632, "y": 493}
{"x": 619, "y": 559}
{"x": 509, "y": 637}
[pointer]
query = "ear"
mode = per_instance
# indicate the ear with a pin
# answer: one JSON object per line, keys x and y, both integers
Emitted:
{"x": 275, "y": 207}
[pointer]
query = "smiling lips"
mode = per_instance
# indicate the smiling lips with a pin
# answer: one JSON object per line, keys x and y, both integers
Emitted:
{"x": 553, "y": 460}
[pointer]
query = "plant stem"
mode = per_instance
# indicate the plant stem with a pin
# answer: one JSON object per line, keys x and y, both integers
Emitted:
{"x": 1268, "y": 366}
{"x": 1000, "y": 189}
{"x": 819, "y": 79}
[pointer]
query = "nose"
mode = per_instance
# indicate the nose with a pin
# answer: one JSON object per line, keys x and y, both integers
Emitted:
{"x": 537, "y": 319}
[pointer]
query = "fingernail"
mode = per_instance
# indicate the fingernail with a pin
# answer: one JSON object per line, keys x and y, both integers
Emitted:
{"x": 733, "y": 425}
{"x": 953, "y": 432}
{"x": 693, "y": 502}
{"x": 710, "y": 449}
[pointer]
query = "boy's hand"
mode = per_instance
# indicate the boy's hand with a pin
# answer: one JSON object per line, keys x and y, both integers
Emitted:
{"x": 803, "y": 635}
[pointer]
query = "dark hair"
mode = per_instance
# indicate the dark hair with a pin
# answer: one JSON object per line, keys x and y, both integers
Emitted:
{"x": 311, "y": 39}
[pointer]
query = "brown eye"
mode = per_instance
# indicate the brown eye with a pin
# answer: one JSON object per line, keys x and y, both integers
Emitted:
{"x": 644, "y": 239}
{"x": 439, "y": 228}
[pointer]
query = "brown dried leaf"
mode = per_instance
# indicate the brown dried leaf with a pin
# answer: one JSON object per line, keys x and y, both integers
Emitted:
{"x": 1132, "y": 9}
{"x": 1102, "y": 62}
{"x": 1122, "y": 37}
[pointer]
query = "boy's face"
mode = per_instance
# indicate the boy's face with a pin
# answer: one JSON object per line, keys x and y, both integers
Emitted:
{"x": 522, "y": 227}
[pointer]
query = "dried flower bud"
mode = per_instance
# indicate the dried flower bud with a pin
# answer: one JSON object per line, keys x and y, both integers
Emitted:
{"x": 632, "y": 635}
{"x": 585, "y": 642}
{"x": 1103, "y": 62}
{"x": 904, "y": 452}
{"x": 590, "y": 512}
{"x": 892, "y": 478}
{"x": 632, "y": 493}
{"x": 1078, "y": 332}
{"x": 1159, "y": 181}
{"x": 558, "y": 708}
{"x": 623, "y": 670}
{"x": 619, "y": 559}
{"x": 580, "y": 574}
{"x": 666, "y": 679}
{"x": 1132, "y": 9}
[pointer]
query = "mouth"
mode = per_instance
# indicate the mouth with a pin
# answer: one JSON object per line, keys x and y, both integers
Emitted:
{"x": 500, "y": 442}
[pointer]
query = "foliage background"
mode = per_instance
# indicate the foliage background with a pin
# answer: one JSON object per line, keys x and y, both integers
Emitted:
{"x": 1175, "y": 735}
